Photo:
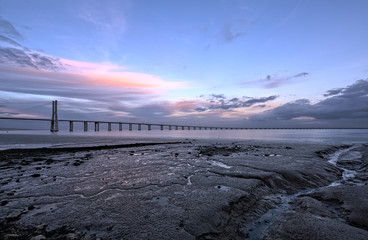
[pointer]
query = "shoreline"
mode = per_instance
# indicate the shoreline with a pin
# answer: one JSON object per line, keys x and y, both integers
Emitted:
{"x": 197, "y": 189}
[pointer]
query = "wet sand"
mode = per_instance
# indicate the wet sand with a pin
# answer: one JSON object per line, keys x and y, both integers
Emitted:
{"x": 185, "y": 190}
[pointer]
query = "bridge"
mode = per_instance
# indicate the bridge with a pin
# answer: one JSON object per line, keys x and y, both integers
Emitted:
{"x": 54, "y": 126}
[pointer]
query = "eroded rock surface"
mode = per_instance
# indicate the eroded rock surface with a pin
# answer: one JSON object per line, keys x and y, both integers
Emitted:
{"x": 191, "y": 190}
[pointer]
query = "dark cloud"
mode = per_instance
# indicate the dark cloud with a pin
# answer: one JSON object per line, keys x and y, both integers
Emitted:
{"x": 253, "y": 101}
{"x": 218, "y": 96}
{"x": 23, "y": 58}
{"x": 10, "y": 41}
{"x": 7, "y": 29}
{"x": 345, "y": 103}
{"x": 18, "y": 55}
{"x": 201, "y": 109}
{"x": 276, "y": 81}
{"x": 302, "y": 74}
{"x": 333, "y": 92}
{"x": 219, "y": 101}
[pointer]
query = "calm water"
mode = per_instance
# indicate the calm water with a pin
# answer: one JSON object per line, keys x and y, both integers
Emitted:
{"x": 32, "y": 139}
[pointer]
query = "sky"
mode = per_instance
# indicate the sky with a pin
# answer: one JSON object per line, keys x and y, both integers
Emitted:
{"x": 231, "y": 63}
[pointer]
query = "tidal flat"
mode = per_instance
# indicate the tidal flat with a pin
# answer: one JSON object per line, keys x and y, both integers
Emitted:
{"x": 192, "y": 189}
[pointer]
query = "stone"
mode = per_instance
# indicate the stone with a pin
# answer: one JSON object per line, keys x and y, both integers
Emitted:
{"x": 39, "y": 237}
{"x": 11, "y": 236}
{"x": 23, "y": 162}
{"x": 86, "y": 237}
{"x": 14, "y": 215}
{"x": 41, "y": 227}
{"x": 71, "y": 236}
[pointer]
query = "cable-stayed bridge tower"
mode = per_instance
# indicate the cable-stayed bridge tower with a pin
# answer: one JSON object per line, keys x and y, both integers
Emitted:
{"x": 54, "y": 119}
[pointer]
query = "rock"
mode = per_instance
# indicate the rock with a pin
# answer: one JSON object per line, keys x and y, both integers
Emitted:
{"x": 14, "y": 215}
{"x": 23, "y": 162}
{"x": 11, "y": 236}
{"x": 3, "y": 203}
{"x": 41, "y": 227}
{"x": 31, "y": 207}
{"x": 49, "y": 161}
{"x": 71, "y": 236}
{"x": 36, "y": 175}
{"x": 86, "y": 237}
{"x": 39, "y": 237}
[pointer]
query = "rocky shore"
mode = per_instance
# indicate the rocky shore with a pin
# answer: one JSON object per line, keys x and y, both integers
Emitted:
{"x": 185, "y": 190}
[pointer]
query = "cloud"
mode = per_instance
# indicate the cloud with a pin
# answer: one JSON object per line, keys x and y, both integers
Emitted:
{"x": 274, "y": 81}
{"x": 345, "y": 103}
{"x": 14, "y": 54}
{"x": 231, "y": 31}
{"x": 9, "y": 41}
{"x": 333, "y": 92}
{"x": 64, "y": 78}
{"x": 226, "y": 32}
{"x": 108, "y": 19}
{"x": 7, "y": 29}
{"x": 219, "y": 101}
{"x": 24, "y": 58}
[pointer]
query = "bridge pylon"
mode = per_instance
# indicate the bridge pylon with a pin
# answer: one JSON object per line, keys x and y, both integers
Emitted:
{"x": 54, "y": 119}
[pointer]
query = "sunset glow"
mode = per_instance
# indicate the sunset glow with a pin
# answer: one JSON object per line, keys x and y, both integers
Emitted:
{"x": 243, "y": 63}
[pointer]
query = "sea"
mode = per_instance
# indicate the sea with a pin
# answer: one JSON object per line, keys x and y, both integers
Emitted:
{"x": 42, "y": 138}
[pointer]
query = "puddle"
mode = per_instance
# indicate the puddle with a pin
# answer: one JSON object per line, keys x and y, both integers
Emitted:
{"x": 162, "y": 201}
{"x": 272, "y": 155}
{"x": 189, "y": 182}
{"x": 222, "y": 188}
{"x": 346, "y": 174}
{"x": 220, "y": 164}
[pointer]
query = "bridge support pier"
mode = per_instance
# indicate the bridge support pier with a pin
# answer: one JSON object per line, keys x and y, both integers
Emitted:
{"x": 139, "y": 127}
{"x": 109, "y": 127}
{"x": 130, "y": 127}
{"x": 71, "y": 126}
{"x": 149, "y": 127}
{"x": 85, "y": 126}
{"x": 169, "y": 127}
{"x": 161, "y": 127}
{"x": 97, "y": 126}
{"x": 182, "y": 127}
{"x": 120, "y": 127}
{"x": 176, "y": 127}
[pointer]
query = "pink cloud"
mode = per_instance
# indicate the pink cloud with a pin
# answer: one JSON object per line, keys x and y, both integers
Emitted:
{"x": 108, "y": 74}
